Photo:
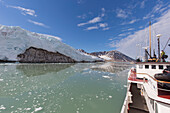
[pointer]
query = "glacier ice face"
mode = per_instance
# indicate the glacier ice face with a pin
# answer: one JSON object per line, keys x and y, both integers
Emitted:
{"x": 15, "y": 40}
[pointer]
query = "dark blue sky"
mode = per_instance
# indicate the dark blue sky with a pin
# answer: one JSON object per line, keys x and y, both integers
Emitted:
{"x": 92, "y": 25}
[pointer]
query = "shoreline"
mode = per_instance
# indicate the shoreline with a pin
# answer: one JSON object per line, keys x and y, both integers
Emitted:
{"x": 17, "y": 62}
{"x": 7, "y": 61}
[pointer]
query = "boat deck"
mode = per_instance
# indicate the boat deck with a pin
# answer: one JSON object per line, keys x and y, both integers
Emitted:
{"x": 139, "y": 103}
{"x": 161, "y": 93}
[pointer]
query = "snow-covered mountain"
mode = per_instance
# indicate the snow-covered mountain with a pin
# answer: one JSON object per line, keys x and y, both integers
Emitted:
{"x": 115, "y": 56}
{"x": 15, "y": 41}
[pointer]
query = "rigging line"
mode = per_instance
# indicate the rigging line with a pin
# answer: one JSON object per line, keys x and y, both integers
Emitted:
{"x": 166, "y": 43}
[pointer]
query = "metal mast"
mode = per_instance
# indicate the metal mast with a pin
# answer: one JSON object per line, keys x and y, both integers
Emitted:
{"x": 159, "y": 57}
{"x": 150, "y": 38}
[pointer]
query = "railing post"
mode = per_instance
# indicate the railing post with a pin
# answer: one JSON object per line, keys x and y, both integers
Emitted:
{"x": 143, "y": 79}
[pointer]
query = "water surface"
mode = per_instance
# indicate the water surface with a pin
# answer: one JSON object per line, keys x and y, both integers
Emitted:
{"x": 63, "y": 88}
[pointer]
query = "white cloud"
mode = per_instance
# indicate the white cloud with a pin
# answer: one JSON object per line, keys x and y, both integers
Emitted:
{"x": 94, "y": 20}
{"x": 38, "y": 23}
{"x": 81, "y": 24}
{"x": 24, "y": 11}
{"x": 149, "y": 15}
{"x": 103, "y": 25}
{"x": 80, "y": 1}
{"x": 159, "y": 8}
{"x": 130, "y": 29}
{"x": 133, "y": 21}
{"x": 164, "y": 9}
{"x": 106, "y": 28}
{"x": 127, "y": 29}
{"x": 142, "y": 5}
{"x": 124, "y": 34}
{"x": 103, "y": 12}
{"x": 2, "y": 2}
{"x": 91, "y": 28}
{"x": 82, "y": 16}
{"x": 130, "y": 22}
{"x": 128, "y": 45}
{"x": 121, "y": 13}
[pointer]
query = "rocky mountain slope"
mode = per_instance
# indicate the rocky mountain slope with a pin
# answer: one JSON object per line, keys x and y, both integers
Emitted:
{"x": 114, "y": 56}
{"x": 14, "y": 41}
{"x": 36, "y": 55}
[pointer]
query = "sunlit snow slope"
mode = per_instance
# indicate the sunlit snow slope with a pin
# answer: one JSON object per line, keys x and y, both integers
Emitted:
{"x": 15, "y": 40}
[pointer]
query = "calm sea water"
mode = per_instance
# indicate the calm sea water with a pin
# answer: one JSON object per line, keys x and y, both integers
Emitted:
{"x": 63, "y": 88}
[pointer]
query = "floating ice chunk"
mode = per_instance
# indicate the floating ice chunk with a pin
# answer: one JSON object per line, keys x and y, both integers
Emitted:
{"x": 38, "y": 109}
{"x": 106, "y": 77}
{"x": 29, "y": 93}
{"x": 2, "y": 107}
{"x": 19, "y": 109}
{"x": 27, "y": 109}
{"x": 1, "y": 80}
{"x": 125, "y": 85}
{"x": 26, "y": 101}
{"x": 17, "y": 99}
{"x": 110, "y": 96}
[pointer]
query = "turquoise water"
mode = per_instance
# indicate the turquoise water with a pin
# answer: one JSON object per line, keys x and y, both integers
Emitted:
{"x": 62, "y": 88}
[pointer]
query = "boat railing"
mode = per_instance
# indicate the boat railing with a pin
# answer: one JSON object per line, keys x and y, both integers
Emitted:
{"x": 125, "y": 105}
{"x": 128, "y": 99}
{"x": 161, "y": 87}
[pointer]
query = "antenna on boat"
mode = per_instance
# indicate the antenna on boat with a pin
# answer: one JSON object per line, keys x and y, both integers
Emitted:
{"x": 159, "y": 35}
{"x": 150, "y": 38}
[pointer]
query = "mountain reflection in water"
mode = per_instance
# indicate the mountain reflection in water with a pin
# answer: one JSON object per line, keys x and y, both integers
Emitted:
{"x": 41, "y": 69}
{"x": 112, "y": 67}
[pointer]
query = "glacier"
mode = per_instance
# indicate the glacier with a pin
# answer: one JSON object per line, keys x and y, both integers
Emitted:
{"x": 14, "y": 40}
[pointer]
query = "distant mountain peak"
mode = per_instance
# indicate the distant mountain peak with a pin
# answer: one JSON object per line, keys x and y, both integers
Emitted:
{"x": 114, "y": 55}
